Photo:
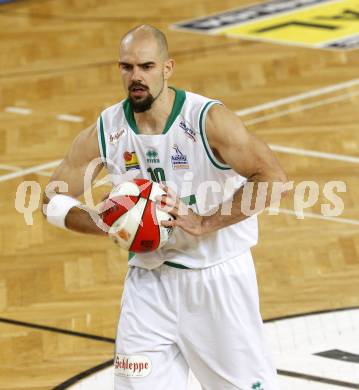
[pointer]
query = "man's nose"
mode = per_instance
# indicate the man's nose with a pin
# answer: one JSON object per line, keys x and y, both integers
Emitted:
{"x": 136, "y": 74}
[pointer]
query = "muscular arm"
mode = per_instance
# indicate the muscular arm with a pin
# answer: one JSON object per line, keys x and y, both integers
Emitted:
{"x": 71, "y": 171}
{"x": 248, "y": 156}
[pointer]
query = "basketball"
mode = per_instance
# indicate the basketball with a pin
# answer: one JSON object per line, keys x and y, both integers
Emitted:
{"x": 133, "y": 219}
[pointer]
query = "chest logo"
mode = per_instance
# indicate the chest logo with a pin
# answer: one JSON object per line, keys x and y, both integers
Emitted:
{"x": 152, "y": 156}
{"x": 179, "y": 160}
{"x": 116, "y": 135}
{"x": 191, "y": 134}
{"x": 131, "y": 160}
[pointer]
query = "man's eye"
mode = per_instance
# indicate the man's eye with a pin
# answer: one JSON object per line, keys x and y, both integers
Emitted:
{"x": 147, "y": 66}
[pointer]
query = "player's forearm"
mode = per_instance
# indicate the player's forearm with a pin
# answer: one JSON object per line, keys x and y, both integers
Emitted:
{"x": 84, "y": 221}
{"x": 257, "y": 194}
{"x": 66, "y": 212}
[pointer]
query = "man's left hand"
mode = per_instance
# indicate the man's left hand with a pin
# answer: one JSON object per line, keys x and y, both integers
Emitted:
{"x": 185, "y": 218}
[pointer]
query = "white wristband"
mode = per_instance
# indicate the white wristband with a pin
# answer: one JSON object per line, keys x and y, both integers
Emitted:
{"x": 57, "y": 209}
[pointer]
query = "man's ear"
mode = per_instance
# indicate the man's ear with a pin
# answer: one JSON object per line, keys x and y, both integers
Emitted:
{"x": 168, "y": 68}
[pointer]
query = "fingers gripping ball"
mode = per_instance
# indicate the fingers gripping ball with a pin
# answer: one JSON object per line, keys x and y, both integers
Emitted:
{"x": 133, "y": 218}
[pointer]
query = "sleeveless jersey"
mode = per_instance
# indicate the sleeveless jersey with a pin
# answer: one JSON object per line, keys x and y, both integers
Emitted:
{"x": 182, "y": 158}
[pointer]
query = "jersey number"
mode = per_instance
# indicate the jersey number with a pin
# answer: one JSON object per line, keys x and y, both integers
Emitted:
{"x": 157, "y": 174}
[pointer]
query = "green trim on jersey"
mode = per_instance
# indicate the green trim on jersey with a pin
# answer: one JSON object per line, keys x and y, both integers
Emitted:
{"x": 176, "y": 109}
{"x": 102, "y": 137}
{"x": 218, "y": 164}
{"x": 131, "y": 255}
{"x": 175, "y": 265}
{"x": 129, "y": 116}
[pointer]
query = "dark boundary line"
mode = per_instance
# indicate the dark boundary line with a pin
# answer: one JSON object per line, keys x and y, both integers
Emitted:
{"x": 93, "y": 370}
{"x": 320, "y": 379}
{"x": 311, "y": 313}
{"x": 57, "y": 330}
{"x": 101, "y": 19}
{"x": 111, "y": 340}
{"x": 82, "y": 375}
{"x": 20, "y": 4}
{"x": 56, "y": 70}
{"x": 175, "y": 54}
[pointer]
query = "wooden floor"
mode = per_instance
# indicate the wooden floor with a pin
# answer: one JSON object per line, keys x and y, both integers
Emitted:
{"x": 59, "y": 57}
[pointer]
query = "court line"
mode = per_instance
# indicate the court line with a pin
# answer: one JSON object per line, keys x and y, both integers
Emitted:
{"x": 17, "y": 169}
{"x": 296, "y": 98}
{"x": 69, "y": 118}
{"x": 301, "y": 108}
{"x": 319, "y": 379}
{"x": 18, "y": 110}
{"x": 56, "y": 330}
{"x": 63, "y": 69}
{"x": 82, "y": 375}
{"x": 85, "y": 374}
{"x": 308, "y": 214}
{"x": 277, "y": 148}
{"x": 9, "y": 167}
{"x": 59, "y": 117}
{"x": 26, "y": 171}
{"x": 314, "y": 153}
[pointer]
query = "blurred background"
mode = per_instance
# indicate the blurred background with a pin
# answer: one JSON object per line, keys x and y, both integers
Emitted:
{"x": 289, "y": 69}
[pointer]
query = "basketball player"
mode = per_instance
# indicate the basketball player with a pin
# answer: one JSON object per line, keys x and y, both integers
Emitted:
{"x": 194, "y": 302}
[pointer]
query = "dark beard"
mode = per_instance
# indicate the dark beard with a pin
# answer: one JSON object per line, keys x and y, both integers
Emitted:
{"x": 141, "y": 105}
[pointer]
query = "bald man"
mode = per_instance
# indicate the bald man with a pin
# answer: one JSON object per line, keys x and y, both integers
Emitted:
{"x": 194, "y": 302}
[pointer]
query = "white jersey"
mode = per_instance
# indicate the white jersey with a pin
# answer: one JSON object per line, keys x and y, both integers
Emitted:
{"x": 181, "y": 157}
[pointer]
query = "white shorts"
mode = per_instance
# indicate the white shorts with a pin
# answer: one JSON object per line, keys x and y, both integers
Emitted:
{"x": 207, "y": 319}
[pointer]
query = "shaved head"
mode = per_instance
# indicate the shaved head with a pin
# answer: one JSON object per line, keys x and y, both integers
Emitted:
{"x": 146, "y": 32}
{"x": 145, "y": 65}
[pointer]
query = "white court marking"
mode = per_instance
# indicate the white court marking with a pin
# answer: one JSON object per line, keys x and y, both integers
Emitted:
{"x": 308, "y": 214}
{"x": 276, "y": 148}
{"x": 16, "y": 169}
{"x": 26, "y": 171}
{"x": 295, "y": 343}
{"x": 69, "y": 118}
{"x": 301, "y": 96}
{"x": 18, "y": 110}
{"x": 314, "y": 153}
{"x": 301, "y": 108}
{"x": 251, "y": 110}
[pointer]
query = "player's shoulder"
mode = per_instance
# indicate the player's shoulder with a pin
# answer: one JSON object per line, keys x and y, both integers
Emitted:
{"x": 197, "y": 99}
{"x": 196, "y": 106}
{"x": 114, "y": 109}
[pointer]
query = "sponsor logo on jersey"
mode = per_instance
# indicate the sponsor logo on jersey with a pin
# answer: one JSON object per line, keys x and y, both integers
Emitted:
{"x": 179, "y": 160}
{"x": 131, "y": 160}
{"x": 152, "y": 156}
{"x": 116, "y": 135}
{"x": 312, "y": 23}
{"x": 188, "y": 131}
{"x": 135, "y": 366}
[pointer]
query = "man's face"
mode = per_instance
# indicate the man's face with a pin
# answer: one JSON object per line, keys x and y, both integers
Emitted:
{"x": 142, "y": 72}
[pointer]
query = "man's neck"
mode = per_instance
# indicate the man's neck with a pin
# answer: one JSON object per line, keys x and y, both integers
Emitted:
{"x": 154, "y": 120}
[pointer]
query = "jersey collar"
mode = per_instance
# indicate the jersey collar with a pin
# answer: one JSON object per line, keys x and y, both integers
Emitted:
{"x": 176, "y": 109}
